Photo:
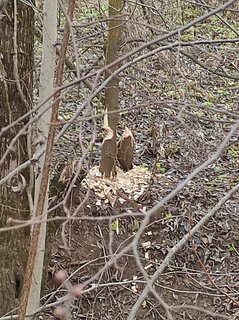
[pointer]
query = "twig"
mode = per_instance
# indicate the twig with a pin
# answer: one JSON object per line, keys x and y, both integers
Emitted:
{"x": 178, "y": 247}
{"x": 195, "y": 308}
{"x": 213, "y": 283}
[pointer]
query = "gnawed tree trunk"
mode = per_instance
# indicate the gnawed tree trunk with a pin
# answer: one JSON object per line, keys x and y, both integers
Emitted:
{"x": 125, "y": 152}
{"x": 14, "y": 244}
{"x": 109, "y": 148}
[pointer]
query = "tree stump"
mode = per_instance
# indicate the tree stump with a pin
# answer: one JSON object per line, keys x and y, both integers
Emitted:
{"x": 108, "y": 155}
{"x": 125, "y": 146}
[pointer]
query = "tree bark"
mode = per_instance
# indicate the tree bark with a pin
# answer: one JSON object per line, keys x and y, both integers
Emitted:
{"x": 46, "y": 171}
{"x": 16, "y": 86}
{"x": 48, "y": 65}
{"x": 125, "y": 153}
{"x": 109, "y": 148}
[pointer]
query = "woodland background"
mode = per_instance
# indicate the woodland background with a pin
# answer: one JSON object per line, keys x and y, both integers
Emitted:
{"x": 119, "y": 159}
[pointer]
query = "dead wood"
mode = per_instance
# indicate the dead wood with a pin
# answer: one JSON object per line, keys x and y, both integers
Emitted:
{"x": 125, "y": 147}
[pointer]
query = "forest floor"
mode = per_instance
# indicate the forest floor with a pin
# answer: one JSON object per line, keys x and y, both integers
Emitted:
{"x": 179, "y": 114}
{"x": 205, "y": 273}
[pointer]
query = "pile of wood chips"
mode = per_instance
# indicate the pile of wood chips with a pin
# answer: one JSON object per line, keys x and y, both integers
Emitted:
{"x": 133, "y": 183}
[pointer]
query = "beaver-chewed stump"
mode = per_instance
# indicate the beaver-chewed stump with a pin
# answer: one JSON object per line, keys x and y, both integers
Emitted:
{"x": 125, "y": 150}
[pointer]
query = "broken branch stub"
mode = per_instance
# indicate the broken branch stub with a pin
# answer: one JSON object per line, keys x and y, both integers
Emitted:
{"x": 125, "y": 146}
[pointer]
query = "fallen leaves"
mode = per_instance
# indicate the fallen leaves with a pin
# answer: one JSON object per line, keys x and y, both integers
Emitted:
{"x": 133, "y": 183}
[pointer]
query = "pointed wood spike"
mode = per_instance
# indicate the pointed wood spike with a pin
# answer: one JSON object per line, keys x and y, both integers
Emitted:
{"x": 125, "y": 147}
{"x": 107, "y": 165}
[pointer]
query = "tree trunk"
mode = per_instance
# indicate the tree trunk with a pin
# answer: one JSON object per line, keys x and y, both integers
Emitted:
{"x": 109, "y": 148}
{"x": 48, "y": 64}
{"x": 16, "y": 85}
